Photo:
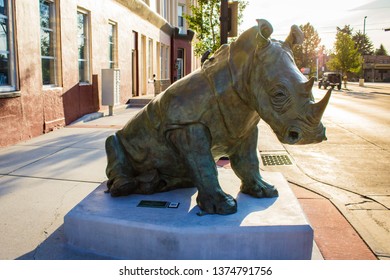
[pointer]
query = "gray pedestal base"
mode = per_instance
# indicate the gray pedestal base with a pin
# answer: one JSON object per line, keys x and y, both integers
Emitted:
{"x": 267, "y": 228}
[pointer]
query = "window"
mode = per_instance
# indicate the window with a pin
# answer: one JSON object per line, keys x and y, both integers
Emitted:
{"x": 164, "y": 62}
{"x": 180, "y": 19}
{"x": 150, "y": 59}
{"x": 48, "y": 43}
{"x": 153, "y": 5}
{"x": 112, "y": 45}
{"x": 83, "y": 46}
{"x": 8, "y": 81}
{"x": 180, "y": 63}
{"x": 162, "y": 74}
{"x": 164, "y": 9}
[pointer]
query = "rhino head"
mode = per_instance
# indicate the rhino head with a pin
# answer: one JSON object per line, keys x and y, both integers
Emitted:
{"x": 278, "y": 91}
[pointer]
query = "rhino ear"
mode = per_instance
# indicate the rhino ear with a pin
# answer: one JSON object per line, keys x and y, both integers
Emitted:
{"x": 265, "y": 31}
{"x": 295, "y": 37}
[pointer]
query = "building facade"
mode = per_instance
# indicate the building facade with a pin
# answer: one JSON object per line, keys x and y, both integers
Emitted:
{"x": 53, "y": 53}
{"x": 376, "y": 68}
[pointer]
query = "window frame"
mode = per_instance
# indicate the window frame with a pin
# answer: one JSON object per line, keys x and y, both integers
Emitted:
{"x": 87, "y": 45}
{"x": 54, "y": 29}
{"x": 113, "y": 45}
{"x": 181, "y": 24}
{"x": 150, "y": 58}
{"x": 13, "y": 83}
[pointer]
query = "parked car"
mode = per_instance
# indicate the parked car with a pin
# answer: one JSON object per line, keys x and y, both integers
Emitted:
{"x": 332, "y": 79}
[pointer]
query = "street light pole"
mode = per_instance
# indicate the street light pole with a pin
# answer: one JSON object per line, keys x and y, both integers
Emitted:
{"x": 364, "y": 33}
{"x": 361, "y": 81}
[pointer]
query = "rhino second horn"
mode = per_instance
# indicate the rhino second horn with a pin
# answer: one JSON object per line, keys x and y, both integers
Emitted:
{"x": 319, "y": 107}
{"x": 309, "y": 84}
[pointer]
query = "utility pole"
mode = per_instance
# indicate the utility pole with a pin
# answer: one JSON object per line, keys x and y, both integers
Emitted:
{"x": 364, "y": 33}
{"x": 361, "y": 81}
{"x": 224, "y": 18}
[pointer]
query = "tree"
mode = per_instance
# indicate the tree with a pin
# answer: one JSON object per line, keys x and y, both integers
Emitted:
{"x": 346, "y": 56}
{"x": 381, "y": 50}
{"x": 204, "y": 21}
{"x": 363, "y": 43}
{"x": 305, "y": 55}
{"x": 346, "y": 29}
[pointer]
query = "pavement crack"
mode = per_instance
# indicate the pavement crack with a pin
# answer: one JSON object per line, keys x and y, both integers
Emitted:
{"x": 56, "y": 215}
{"x": 55, "y": 179}
{"x": 362, "y": 196}
{"x": 357, "y": 203}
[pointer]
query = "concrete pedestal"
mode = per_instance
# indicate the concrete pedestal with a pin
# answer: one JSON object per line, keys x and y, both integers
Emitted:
{"x": 267, "y": 228}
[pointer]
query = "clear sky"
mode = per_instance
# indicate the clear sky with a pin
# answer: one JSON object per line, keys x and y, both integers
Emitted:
{"x": 324, "y": 16}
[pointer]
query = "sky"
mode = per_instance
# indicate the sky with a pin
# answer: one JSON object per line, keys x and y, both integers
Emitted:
{"x": 324, "y": 16}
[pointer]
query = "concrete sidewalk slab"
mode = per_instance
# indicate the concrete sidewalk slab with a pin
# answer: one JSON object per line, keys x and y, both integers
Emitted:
{"x": 74, "y": 164}
{"x": 64, "y": 137}
{"x": 15, "y": 157}
{"x": 94, "y": 140}
{"x": 32, "y": 209}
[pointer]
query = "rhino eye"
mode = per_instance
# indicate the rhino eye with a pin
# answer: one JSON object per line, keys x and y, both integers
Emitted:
{"x": 279, "y": 100}
{"x": 279, "y": 94}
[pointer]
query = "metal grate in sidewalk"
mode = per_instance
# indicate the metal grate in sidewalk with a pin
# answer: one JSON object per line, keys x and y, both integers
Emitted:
{"x": 276, "y": 160}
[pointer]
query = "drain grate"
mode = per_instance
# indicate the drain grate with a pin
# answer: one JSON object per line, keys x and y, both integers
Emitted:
{"x": 276, "y": 160}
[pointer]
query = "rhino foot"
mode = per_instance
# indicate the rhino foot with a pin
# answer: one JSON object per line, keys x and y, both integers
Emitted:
{"x": 261, "y": 189}
{"x": 221, "y": 203}
{"x": 122, "y": 186}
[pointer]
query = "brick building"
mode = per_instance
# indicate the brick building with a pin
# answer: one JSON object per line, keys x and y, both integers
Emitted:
{"x": 53, "y": 53}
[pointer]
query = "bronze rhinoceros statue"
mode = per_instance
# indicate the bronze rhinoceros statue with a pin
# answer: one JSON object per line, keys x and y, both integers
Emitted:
{"x": 175, "y": 140}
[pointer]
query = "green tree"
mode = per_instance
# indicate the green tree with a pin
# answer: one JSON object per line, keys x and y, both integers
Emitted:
{"x": 363, "y": 43}
{"x": 346, "y": 57}
{"x": 305, "y": 55}
{"x": 346, "y": 29}
{"x": 381, "y": 50}
{"x": 204, "y": 21}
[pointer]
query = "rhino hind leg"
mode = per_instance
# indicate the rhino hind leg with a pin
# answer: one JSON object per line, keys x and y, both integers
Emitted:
{"x": 193, "y": 143}
{"x": 121, "y": 179}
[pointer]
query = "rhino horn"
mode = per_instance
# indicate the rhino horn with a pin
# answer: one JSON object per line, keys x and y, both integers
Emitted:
{"x": 319, "y": 107}
{"x": 309, "y": 84}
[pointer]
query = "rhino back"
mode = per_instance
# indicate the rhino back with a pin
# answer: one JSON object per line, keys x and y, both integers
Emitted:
{"x": 186, "y": 101}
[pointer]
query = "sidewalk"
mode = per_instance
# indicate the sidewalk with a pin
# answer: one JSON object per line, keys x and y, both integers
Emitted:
{"x": 368, "y": 88}
{"x": 43, "y": 179}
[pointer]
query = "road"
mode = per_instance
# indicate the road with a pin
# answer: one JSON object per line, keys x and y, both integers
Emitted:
{"x": 358, "y": 146}
{"x": 352, "y": 167}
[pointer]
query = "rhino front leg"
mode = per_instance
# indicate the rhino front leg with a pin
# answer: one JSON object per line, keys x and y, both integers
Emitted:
{"x": 245, "y": 163}
{"x": 193, "y": 144}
